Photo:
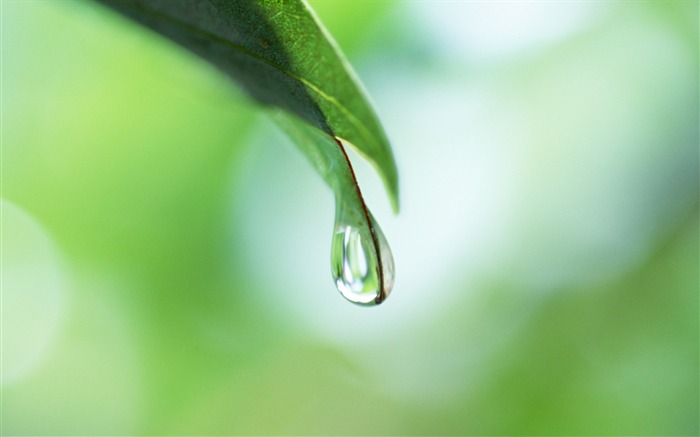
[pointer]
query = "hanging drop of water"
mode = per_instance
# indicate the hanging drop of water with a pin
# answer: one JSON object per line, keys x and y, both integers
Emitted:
{"x": 359, "y": 275}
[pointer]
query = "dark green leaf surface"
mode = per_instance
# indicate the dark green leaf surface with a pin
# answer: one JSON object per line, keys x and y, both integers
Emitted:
{"x": 282, "y": 56}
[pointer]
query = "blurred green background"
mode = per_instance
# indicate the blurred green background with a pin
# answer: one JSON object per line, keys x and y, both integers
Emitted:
{"x": 165, "y": 258}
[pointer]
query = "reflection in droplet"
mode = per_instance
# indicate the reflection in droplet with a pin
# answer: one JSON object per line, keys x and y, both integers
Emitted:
{"x": 359, "y": 275}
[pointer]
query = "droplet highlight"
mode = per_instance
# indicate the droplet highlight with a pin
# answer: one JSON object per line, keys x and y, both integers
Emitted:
{"x": 361, "y": 260}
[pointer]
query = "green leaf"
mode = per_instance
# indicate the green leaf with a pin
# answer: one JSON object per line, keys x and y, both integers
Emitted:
{"x": 282, "y": 56}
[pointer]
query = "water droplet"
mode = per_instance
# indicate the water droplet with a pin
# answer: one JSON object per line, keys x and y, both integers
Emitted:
{"x": 359, "y": 275}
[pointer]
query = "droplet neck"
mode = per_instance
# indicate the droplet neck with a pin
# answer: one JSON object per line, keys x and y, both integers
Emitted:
{"x": 361, "y": 261}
